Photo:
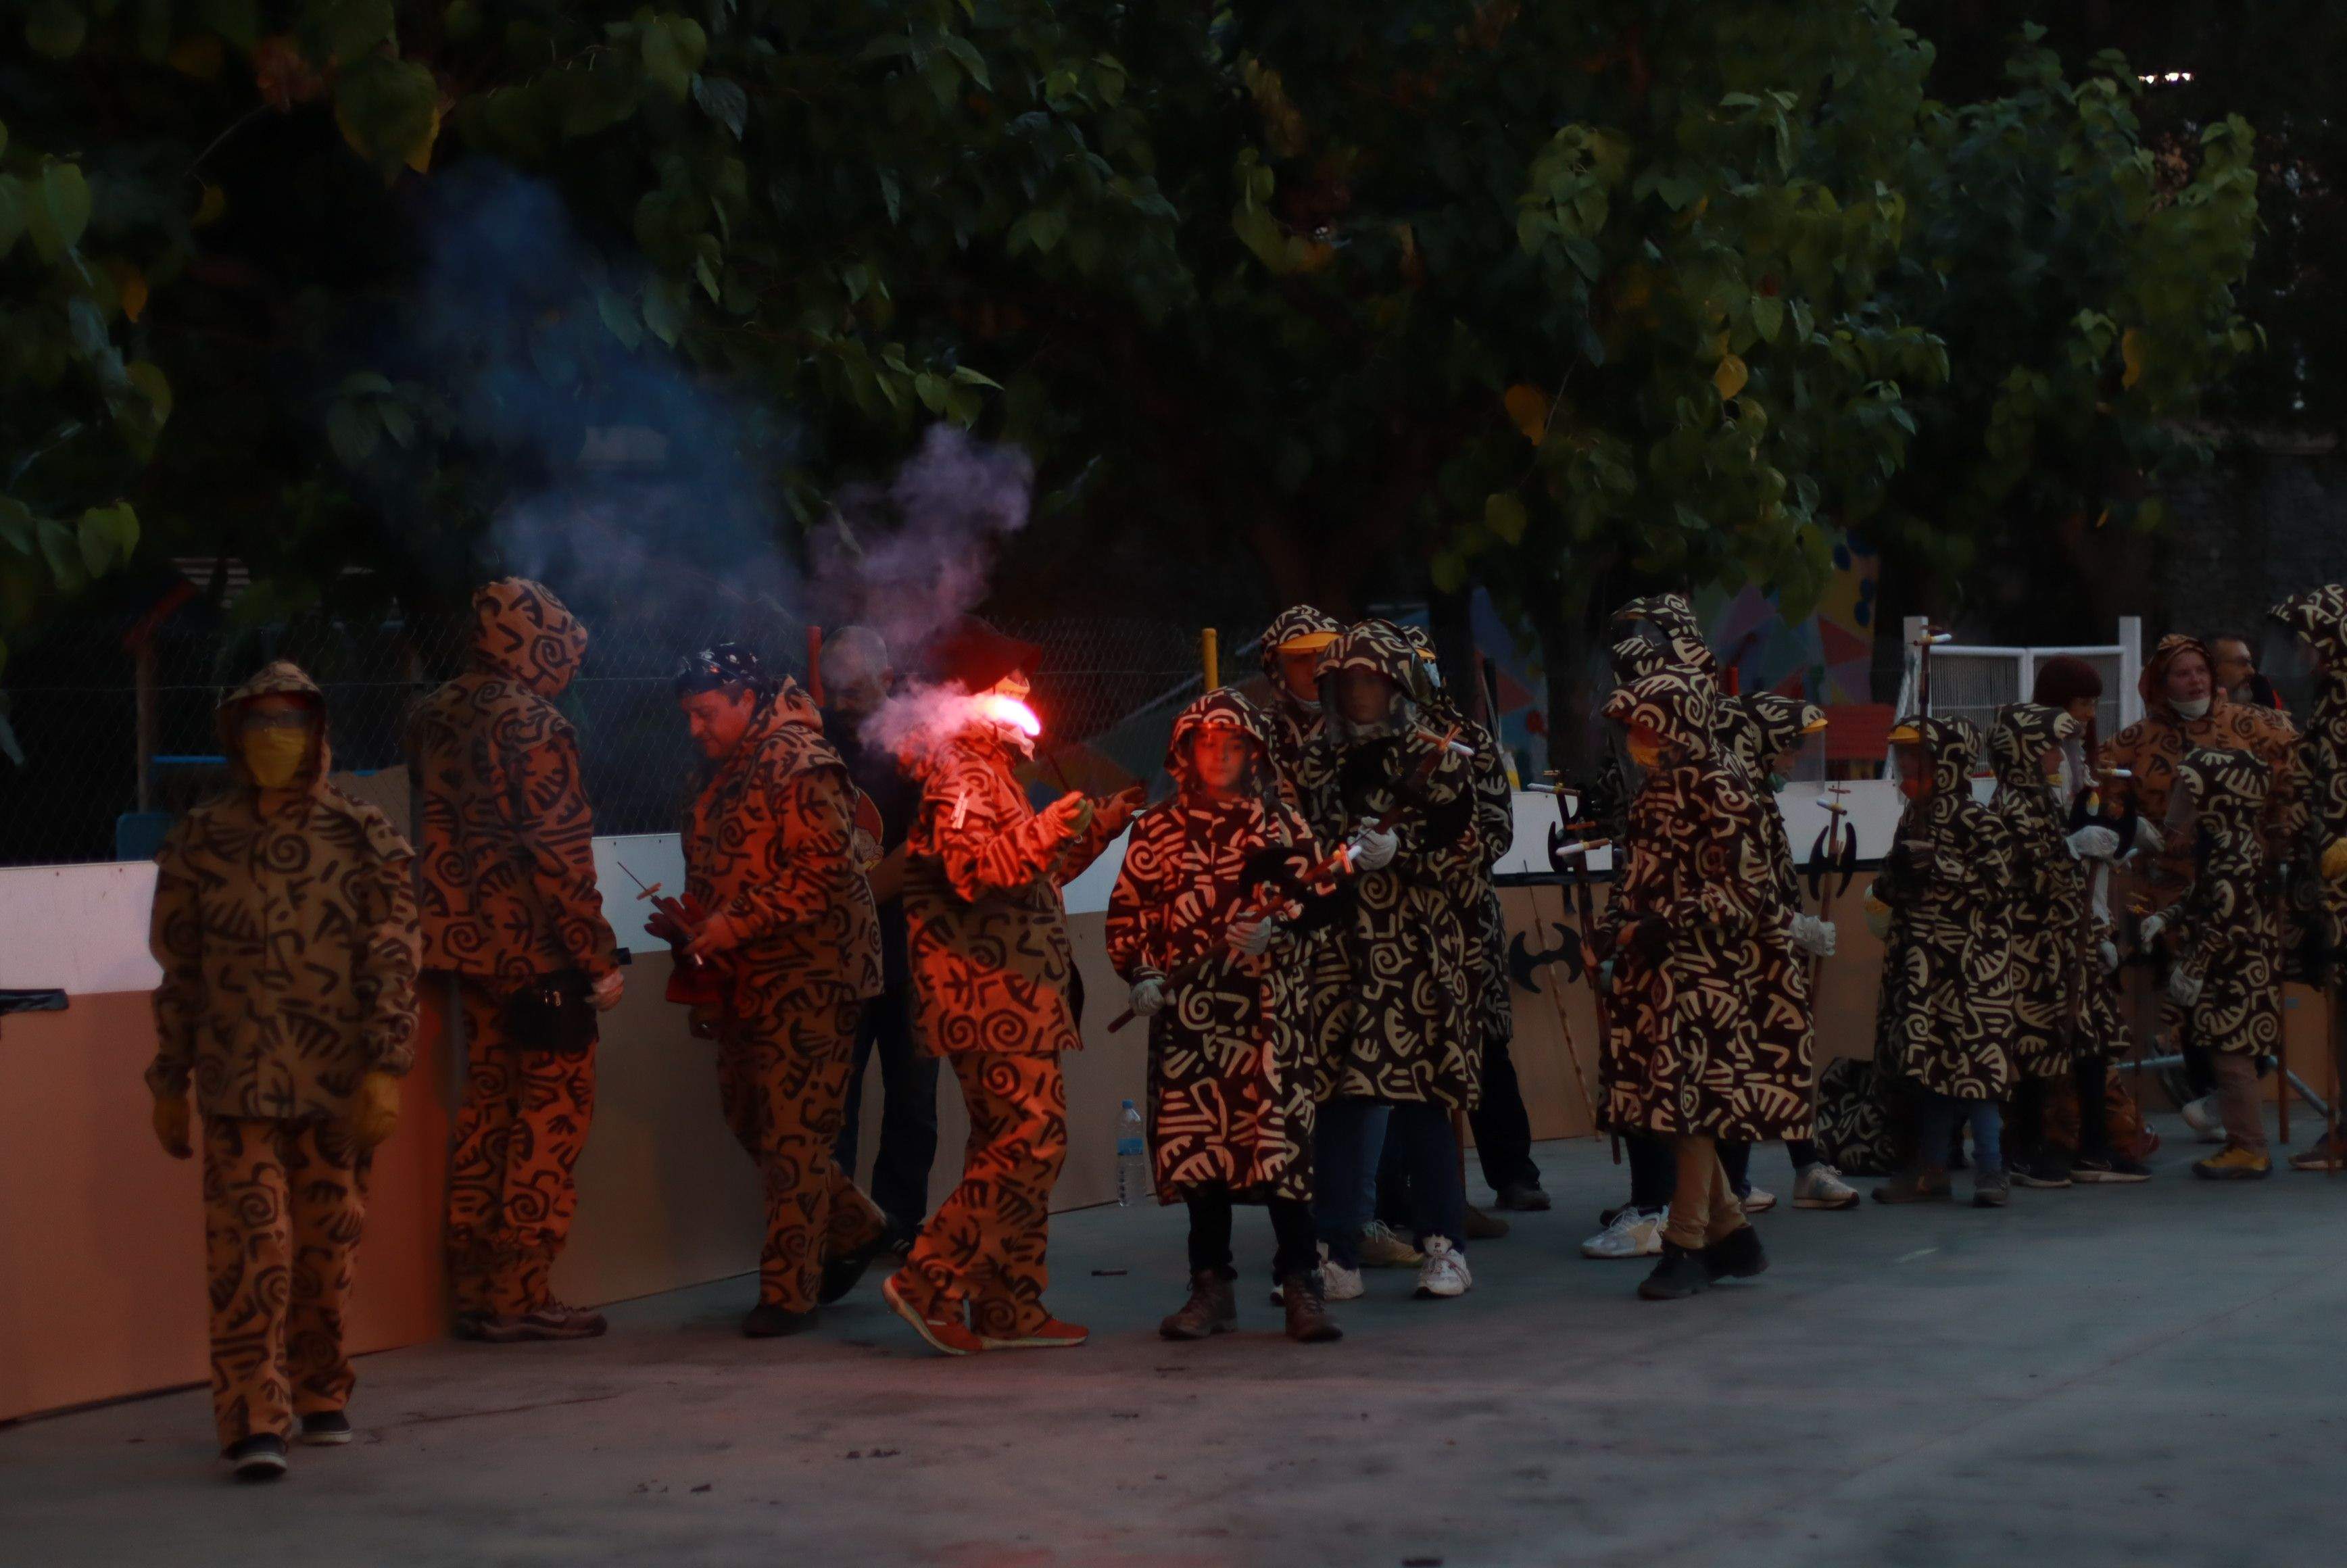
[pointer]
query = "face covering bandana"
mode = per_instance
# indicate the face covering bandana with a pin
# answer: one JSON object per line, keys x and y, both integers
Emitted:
{"x": 2196, "y": 709}
{"x": 274, "y": 756}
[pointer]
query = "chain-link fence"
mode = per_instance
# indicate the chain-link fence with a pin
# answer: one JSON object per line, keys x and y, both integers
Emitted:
{"x": 111, "y": 728}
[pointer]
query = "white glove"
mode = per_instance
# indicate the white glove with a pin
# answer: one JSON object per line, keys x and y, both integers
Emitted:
{"x": 1148, "y": 997}
{"x": 2149, "y": 932}
{"x": 1813, "y": 936}
{"x": 606, "y": 991}
{"x": 2093, "y": 843}
{"x": 2183, "y": 989}
{"x": 2107, "y": 954}
{"x": 2147, "y": 839}
{"x": 1252, "y": 937}
{"x": 1374, "y": 851}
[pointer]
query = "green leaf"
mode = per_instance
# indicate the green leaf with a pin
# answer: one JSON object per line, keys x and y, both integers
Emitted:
{"x": 664, "y": 308}
{"x": 674, "y": 47}
{"x": 154, "y": 386}
{"x": 366, "y": 384}
{"x": 11, "y": 212}
{"x": 344, "y": 32}
{"x": 237, "y": 20}
{"x": 354, "y": 431}
{"x": 107, "y": 537}
{"x": 726, "y": 103}
{"x": 62, "y": 549}
{"x": 389, "y": 111}
{"x": 968, "y": 377}
{"x": 1503, "y": 514}
{"x": 1767, "y": 316}
{"x": 620, "y": 315}
{"x": 962, "y": 49}
{"x": 58, "y": 211}
{"x": 397, "y": 422}
{"x": 55, "y": 28}
{"x": 932, "y": 390}
{"x": 16, "y": 529}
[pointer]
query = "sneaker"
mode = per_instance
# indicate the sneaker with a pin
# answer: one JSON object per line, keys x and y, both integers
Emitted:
{"x": 1338, "y": 1283}
{"x": 2103, "y": 1169}
{"x": 2048, "y": 1170}
{"x": 2202, "y": 1116}
{"x": 1821, "y": 1187}
{"x": 2233, "y": 1163}
{"x": 326, "y": 1428}
{"x": 1914, "y": 1187}
{"x": 1633, "y": 1232}
{"x": 259, "y": 1457}
{"x": 1992, "y": 1189}
{"x": 1051, "y": 1334}
{"x": 2324, "y": 1154}
{"x": 1757, "y": 1201}
{"x": 1525, "y": 1197}
{"x": 1680, "y": 1275}
{"x": 945, "y": 1330}
{"x": 1383, "y": 1247}
{"x": 1481, "y": 1226}
{"x": 1444, "y": 1272}
{"x": 773, "y": 1320}
{"x": 1736, "y": 1255}
{"x": 551, "y": 1321}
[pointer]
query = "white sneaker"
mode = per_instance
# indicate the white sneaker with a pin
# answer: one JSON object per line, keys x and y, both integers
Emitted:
{"x": 1757, "y": 1201}
{"x": 1821, "y": 1187}
{"x": 1338, "y": 1283}
{"x": 1382, "y": 1248}
{"x": 2202, "y": 1116}
{"x": 1444, "y": 1272}
{"x": 1635, "y": 1232}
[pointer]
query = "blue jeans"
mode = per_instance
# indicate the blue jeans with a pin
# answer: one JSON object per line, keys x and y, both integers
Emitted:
{"x": 1346, "y": 1175}
{"x": 1936, "y": 1120}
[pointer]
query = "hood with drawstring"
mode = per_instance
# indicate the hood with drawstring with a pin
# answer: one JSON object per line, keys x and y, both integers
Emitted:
{"x": 282, "y": 678}
{"x": 1382, "y": 648}
{"x": 522, "y": 632}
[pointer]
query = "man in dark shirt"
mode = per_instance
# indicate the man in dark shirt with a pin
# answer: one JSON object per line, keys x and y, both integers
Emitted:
{"x": 855, "y": 682}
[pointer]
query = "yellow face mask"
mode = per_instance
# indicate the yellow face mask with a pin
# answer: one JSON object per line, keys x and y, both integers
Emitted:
{"x": 274, "y": 756}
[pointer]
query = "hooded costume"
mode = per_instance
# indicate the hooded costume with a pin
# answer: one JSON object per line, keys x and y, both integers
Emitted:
{"x": 2061, "y": 996}
{"x": 506, "y": 882}
{"x": 2225, "y": 933}
{"x": 2152, "y": 747}
{"x": 769, "y": 842}
{"x": 1709, "y": 1033}
{"x": 287, "y": 941}
{"x": 988, "y": 938}
{"x": 1292, "y": 722}
{"x": 1945, "y": 1019}
{"x": 2319, "y": 902}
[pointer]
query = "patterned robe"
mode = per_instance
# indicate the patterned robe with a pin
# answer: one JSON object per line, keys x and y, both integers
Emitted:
{"x": 1409, "y": 1032}
{"x": 1944, "y": 1017}
{"x": 2226, "y": 931}
{"x": 1292, "y": 728}
{"x": 287, "y": 942}
{"x": 2319, "y": 908}
{"x": 1710, "y": 1037}
{"x": 1234, "y": 1069}
{"x": 986, "y": 931}
{"x": 2045, "y": 903}
{"x": 506, "y": 875}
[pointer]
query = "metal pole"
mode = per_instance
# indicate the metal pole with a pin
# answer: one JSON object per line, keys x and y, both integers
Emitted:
{"x": 143, "y": 678}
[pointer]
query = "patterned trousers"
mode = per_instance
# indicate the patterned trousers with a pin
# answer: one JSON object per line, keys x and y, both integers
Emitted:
{"x": 783, "y": 1081}
{"x": 985, "y": 1245}
{"x": 518, "y": 1137}
{"x": 283, "y": 1205}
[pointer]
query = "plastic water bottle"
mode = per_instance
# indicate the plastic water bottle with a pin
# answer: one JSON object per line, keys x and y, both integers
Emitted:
{"x": 1132, "y": 1165}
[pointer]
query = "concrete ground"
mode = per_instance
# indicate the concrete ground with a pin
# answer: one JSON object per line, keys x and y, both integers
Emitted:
{"x": 2144, "y": 1375}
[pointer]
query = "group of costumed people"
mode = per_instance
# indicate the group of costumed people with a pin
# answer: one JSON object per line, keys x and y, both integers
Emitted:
{"x": 1308, "y": 925}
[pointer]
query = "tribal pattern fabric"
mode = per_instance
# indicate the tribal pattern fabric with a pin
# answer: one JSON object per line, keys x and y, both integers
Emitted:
{"x": 1234, "y": 1067}
{"x": 782, "y": 1079}
{"x": 507, "y": 876}
{"x": 287, "y": 941}
{"x": 1708, "y": 1029}
{"x": 984, "y": 1247}
{"x": 2227, "y": 933}
{"x": 1759, "y": 729}
{"x": 770, "y": 843}
{"x": 1292, "y": 726}
{"x": 284, "y": 1203}
{"x": 986, "y": 932}
{"x": 2153, "y": 745}
{"x": 2318, "y": 905}
{"x": 2045, "y": 910}
{"x": 1860, "y": 1133}
{"x": 1944, "y": 1017}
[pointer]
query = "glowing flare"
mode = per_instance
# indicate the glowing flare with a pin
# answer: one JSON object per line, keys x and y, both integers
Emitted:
{"x": 1009, "y": 711}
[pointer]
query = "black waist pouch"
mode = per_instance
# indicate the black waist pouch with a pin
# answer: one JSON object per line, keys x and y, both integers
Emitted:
{"x": 554, "y": 1014}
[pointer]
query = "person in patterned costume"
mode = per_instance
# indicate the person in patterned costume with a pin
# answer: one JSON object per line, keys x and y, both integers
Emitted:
{"x": 991, "y": 975}
{"x": 513, "y": 924}
{"x": 1292, "y": 648}
{"x": 2316, "y": 624}
{"x": 1233, "y": 1066}
{"x": 1705, "y": 1042}
{"x": 1943, "y": 1021}
{"x": 2224, "y": 942}
{"x": 284, "y": 923}
{"x": 1406, "y": 1035}
{"x": 786, "y": 919}
{"x": 2056, "y": 997}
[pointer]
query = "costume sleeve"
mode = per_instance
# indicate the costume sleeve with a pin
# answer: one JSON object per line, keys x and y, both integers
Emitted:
{"x": 548, "y": 814}
{"x": 1089, "y": 846}
{"x": 174, "y": 936}
{"x": 801, "y": 849}
{"x": 2199, "y": 922}
{"x": 384, "y": 978}
{"x": 1730, "y": 885}
{"x": 984, "y": 850}
{"x": 1495, "y": 803}
{"x": 1432, "y": 849}
{"x": 1137, "y": 906}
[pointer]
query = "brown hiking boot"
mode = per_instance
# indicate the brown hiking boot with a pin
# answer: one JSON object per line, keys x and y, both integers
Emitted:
{"x": 1308, "y": 1322}
{"x": 1213, "y": 1308}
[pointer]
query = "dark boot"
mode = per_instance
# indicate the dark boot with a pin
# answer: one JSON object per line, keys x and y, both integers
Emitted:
{"x": 1308, "y": 1322}
{"x": 1736, "y": 1255}
{"x": 1213, "y": 1308}
{"x": 771, "y": 1320}
{"x": 842, "y": 1273}
{"x": 1681, "y": 1274}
